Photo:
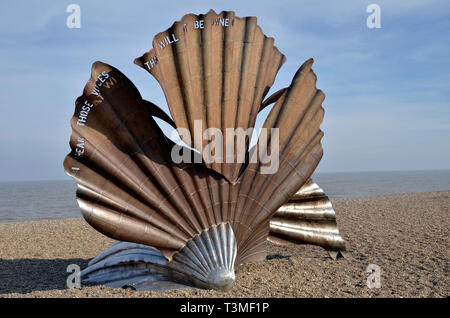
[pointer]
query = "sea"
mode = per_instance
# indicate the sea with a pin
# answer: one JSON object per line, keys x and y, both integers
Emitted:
{"x": 36, "y": 200}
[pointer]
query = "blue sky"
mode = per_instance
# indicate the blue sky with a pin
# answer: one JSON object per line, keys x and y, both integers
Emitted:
{"x": 388, "y": 89}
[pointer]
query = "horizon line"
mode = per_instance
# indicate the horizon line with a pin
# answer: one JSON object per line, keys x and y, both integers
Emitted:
{"x": 68, "y": 178}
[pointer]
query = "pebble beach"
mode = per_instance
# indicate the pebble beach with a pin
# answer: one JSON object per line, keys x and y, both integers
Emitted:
{"x": 405, "y": 235}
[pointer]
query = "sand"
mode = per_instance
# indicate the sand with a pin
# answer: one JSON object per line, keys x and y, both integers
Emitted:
{"x": 406, "y": 235}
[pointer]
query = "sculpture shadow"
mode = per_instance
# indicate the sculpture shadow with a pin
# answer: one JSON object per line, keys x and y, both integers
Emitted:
{"x": 27, "y": 275}
{"x": 277, "y": 256}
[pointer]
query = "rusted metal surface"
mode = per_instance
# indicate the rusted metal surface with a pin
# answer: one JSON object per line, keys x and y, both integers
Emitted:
{"x": 130, "y": 189}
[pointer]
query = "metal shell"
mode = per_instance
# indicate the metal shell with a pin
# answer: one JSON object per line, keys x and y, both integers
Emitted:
{"x": 207, "y": 261}
{"x": 307, "y": 218}
{"x": 130, "y": 189}
{"x": 216, "y": 69}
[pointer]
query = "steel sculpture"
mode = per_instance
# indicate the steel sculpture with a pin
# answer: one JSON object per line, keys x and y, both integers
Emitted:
{"x": 190, "y": 223}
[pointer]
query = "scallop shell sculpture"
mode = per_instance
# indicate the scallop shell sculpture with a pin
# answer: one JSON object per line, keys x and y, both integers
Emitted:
{"x": 189, "y": 223}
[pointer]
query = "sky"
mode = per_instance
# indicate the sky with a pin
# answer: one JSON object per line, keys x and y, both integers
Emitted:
{"x": 387, "y": 89}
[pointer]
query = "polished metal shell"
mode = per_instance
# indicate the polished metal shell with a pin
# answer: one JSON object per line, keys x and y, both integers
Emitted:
{"x": 307, "y": 218}
{"x": 130, "y": 189}
{"x": 129, "y": 264}
{"x": 214, "y": 68}
{"x": 207, "y": 261}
